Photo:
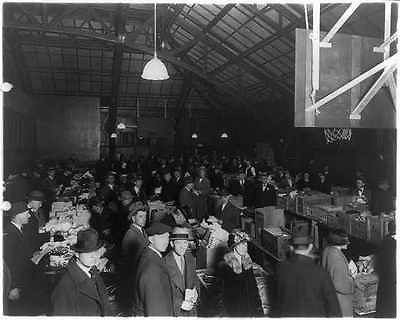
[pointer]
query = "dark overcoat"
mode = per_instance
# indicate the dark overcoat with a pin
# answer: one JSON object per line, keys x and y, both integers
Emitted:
{"x": 76, "y": 295}
{"x": 304, "y": 289}
{"x": 180, "y": 282}
{"x": 153, "y": 296}
{"x": 230, "y": 217}
{"x": 264, "y": 198}
{"x": 240, "y": 293}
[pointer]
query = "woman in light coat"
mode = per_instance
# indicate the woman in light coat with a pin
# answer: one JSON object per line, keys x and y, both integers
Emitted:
{"x": 335, "y": 262}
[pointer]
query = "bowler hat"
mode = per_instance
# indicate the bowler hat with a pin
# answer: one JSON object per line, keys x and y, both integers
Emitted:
{"x": 158, "y": 228}
{"x": 16, "y": 208}
{"x": 237, "y": 237}
{"x": 36, "y": 195}
{"x": 88, "y": 241}
{"x": 338, "y": 237}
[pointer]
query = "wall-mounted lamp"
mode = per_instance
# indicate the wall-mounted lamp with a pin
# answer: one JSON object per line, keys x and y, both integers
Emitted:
{"x": 113, "y": 135}
{"x": 5, "y": 206}
{"x": 6, "y": 87}
{"x": 194, "y": 136}
{"x": 224, "y": 135}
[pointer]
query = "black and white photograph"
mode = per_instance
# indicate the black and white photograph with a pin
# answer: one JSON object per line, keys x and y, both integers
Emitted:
{"x": 203, "y": 159}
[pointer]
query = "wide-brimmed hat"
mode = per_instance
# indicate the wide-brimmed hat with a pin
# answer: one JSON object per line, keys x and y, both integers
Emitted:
{"x": 88, "y": 241}
{"x": 35, "y": 195}
{"x": 237, "y": 237}
{"x": 338, "y": 237}
{"x": 158, "y": 228}
{"x": 179, "y": 233}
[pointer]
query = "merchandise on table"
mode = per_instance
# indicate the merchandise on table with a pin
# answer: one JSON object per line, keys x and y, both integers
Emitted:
{"x": 365, "y": 290}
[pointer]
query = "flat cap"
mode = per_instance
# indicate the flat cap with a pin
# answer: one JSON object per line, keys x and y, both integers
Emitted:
{"x": 158, "y": 228}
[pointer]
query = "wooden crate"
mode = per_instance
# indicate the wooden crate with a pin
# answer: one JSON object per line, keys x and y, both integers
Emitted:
{"x": 306, "y": 201}
{"x": 375, "y": 232}
{"x": 365, "y": 290}
{"x": 275, "y": 241}
{"x": 272, "y": 217}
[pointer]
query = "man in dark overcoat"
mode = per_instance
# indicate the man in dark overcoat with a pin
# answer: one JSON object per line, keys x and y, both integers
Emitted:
{"x": 228, "y": 213}
{"x": 153, "y": 296}
{"x": 81, "y": 291}
{"x": 187, "y": 198}
{"x": 181, "y": 267}
{"x": 303, "y": 288}
{"x": 17, "y": 256}
{"x": 133, "y": 244}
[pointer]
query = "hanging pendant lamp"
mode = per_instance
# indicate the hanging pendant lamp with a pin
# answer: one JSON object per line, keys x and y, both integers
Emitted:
{"x": 155, "y": 69}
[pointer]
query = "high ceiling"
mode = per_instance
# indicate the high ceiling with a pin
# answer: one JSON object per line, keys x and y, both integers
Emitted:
{"x": 218, "y": 56}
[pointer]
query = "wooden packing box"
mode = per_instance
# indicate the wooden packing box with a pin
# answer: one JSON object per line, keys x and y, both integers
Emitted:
{"x": 355, "y": 206}
{"x": 365, "y": 290}
{"x": 276, "y": 241}
{"x": 375, "y": 232}
{"x": 248, "y": 226}
{"x": 272, "y": 216}
{"x": 323, "y": 212}
{"x": 300, "y": 227}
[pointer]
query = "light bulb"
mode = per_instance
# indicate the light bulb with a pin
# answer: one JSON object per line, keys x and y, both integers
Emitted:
{"x": 121, "y": 126}
{"x": 224, "y": 135}
{"x": 113, "y": 135}
{"x": 194, "y": 136}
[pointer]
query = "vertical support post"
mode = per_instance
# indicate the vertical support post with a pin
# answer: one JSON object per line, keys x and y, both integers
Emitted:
{"x": 316, "y": 45}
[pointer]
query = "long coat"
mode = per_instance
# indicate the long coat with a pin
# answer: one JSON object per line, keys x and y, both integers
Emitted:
{"x": 180, "y": 282}
{"x": 153, "y": 295}
{"x": 335, "y": 262}
{"x": 304, "y": 289}
{"x": 132, "y": 246}
{"x": 76, "y": 295}
{"x": 264, "y": 198}
{"x": 187, "y": 201}
{"x": 230, "y": 217}
{"x": 240, "y": 293}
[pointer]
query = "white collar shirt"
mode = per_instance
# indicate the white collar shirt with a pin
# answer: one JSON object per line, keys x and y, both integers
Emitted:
{"x": 17, "y": 226}
{"x": 85, "y": 269}
{"x": 156, "y": 251}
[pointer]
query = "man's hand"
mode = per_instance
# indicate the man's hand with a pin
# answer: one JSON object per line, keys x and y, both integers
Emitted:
{"x": 14, "y": 294}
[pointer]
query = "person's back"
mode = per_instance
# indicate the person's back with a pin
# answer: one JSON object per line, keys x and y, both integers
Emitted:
{"x": 304, "y": 289}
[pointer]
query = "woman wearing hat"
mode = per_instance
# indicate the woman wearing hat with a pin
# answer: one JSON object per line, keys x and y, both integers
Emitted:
{"x": 181, "y": 267}
{"x": 240, "y": 292}
{"x": 81, "y": 291}
{"x": 335, "y": 262}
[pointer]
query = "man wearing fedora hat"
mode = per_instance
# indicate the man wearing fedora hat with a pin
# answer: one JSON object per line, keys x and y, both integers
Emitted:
{"x": 81, "y": 291}
{"x": 187, "y": 197}
{"x": 228, "y": 213}
{"x": 153, "y": 295}
{"x": 17, "y": 257}
{"x": 181, "y": 267}
{"x": 303, "y": 288}
{"x": 132, "y": 246}
{"x": 336, "y": 263}
{"x": 265, "y": 191}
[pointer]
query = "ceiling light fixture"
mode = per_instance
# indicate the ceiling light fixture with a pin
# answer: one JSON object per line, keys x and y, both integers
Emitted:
{"x": 194, "y": 136}
{"x": 121, "y": 126}
{"x": 224, "y": 135}
{"x": 155, "y": 69}
{"x": 113, "y": 135}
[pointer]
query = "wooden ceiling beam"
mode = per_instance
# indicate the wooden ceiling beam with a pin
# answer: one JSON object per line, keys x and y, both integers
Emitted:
{"x": 264, "y": 43}
{"x": 250, "y": 67}
{"x": 203, "y": 33}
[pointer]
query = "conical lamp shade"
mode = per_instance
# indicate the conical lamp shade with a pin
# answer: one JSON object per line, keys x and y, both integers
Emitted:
{"x": 155, "y": 70}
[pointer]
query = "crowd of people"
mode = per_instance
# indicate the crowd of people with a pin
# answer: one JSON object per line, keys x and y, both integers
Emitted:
{"x": 156, "y": 261}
